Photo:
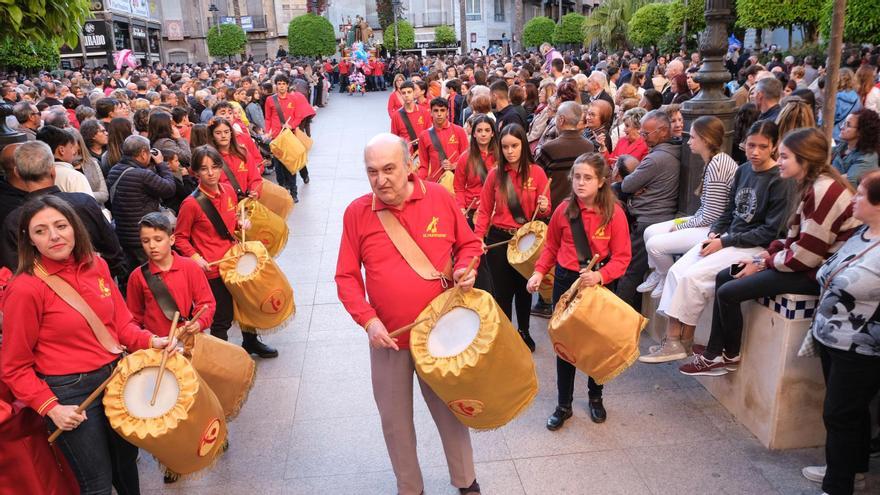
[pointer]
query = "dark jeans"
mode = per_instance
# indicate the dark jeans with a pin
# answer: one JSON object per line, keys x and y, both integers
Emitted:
{"x": 727, "y": 319}
{"x": 343, "y": 84}
{"x": 851, "y": 381}
{"x": 564, "y": 370}
{"x": 508, "y": 283}
{"x": 638, "y": 265}
{"x": 98, "y": 456}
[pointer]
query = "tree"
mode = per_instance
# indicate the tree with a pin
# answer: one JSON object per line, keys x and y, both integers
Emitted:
{"x": 648, "y": 25}
{"x": 518, "y": 18}
{"x": 862, "y": 24}
{"x": 538, "y": 30}
{"x": 26, "y": 55}
{"x": 760, "y": 14}
{"x": 311, "y": 35}
{"x": 607, "y": 24}
{"x": 406, "y": 35}
{"x": 226, "y": 40}
{"x": 570, "y": 30}
{"x": 444, "y": 35}
{"x": 694, "y": 13}
{"x": 385, "y": 12}
{"x": 58, "y": 20}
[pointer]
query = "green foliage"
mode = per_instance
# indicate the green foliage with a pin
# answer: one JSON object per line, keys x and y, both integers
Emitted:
{"x": 861, "y": 24}
{"x": 695, "y": 13}
{"x": 37, "y": 20}
{"x": 226, "y": 40}
{"x": 444, "y": 35}
{"x": 311, "y": 35}
{"x": 781, "y": 13}
{"x": 385, "y": 13}
{"x": 649, "y": 24}
{"x": 607, "y": 24}
{"x": 570, "y": 30}
{"x": 538, "y": 30}
{"x": 406, "y": 35}
{"x": 26, "y": 55}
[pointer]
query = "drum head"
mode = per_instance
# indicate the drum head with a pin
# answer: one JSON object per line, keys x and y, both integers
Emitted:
{"x": 139, "y": 390}
{"x": 453, "y": 332}
{"x": 247, "y": 263}
{"x": 526, "y": 242}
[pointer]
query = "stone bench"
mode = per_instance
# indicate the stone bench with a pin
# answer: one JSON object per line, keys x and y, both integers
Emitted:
{"x": 775, "y": 394}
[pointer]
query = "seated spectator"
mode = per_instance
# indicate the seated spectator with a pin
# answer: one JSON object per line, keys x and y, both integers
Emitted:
{"x": 597, "y": 119}
{"x": 651, "y": 100}
{"x": 847, "y": 100}
{"x": 630, "y": 143}
{"x": 856, "y": 153}
{"x": 796, "y": 113}
{"x": 680, "y": 89}
{"x": 676, "y": 120}
{"x": 64, "y": 147}
{"x": 745, "y": 117}
{"x": 765, "y": 95}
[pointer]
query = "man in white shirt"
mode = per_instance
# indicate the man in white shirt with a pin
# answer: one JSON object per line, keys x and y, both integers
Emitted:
{"x": 64, "y": 147}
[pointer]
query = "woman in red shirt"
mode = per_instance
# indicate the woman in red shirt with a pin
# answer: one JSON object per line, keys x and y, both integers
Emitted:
{"x": 509, "y": 198}
{"x": 246, "y": 179}
{"x": 395, "y": 99}
{"x": 593, "y": 203}
{"x": 630, "y": 143}
{"x": 52, "y": 359}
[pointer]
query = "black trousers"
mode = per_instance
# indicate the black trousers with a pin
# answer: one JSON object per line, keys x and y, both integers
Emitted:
{"x": 727, "y": 319}
{"x": 509, "y": 285}
{"x": 638, "y": 266}
{"x": 565, "y": 371}
{"x": 484, "y": 276}
{"x": 343, "y": 83}
{"x": 851, "y": 381}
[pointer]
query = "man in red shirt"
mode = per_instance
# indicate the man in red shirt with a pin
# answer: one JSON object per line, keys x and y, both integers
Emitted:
{"x": 344, "y": 70}
{"x": 418, "y": 119}
{"x": 449, "y": 137}
{"x": 294, "y": 109}
{"x": 435, "y": 223}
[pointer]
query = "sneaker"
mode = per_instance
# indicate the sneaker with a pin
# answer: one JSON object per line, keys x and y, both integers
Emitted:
{"x": 817, "y": 473}
{"x": 670, "y": 350}
{"x": 658, "y": 291}
{"x": 688, "y": 345}
{"x": 700, "y": 366}
{"x": 650, "y": 283}
{"x": 542, "y": 309}
{"x": 731, "y": 364}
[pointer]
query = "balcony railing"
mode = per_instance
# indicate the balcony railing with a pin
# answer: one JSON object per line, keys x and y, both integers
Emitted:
{"x": 435, "y": 18}
{"x": 258, "y": 22}
{"x": 499, "y": 17}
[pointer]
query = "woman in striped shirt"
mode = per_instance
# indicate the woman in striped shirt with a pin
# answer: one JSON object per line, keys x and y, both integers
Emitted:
{"x": 666, "y": 239}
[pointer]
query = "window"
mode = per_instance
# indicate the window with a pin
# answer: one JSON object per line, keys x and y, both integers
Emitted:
{"x": 499, "y": 10}
{"x": 473, "y": 9}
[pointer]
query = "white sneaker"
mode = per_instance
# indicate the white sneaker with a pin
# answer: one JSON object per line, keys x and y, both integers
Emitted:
{"x": 817, "y": 473}
{"x": 650, "y": 283}
{"x": 670, "y": 350}
{"x": 658, "y": 291}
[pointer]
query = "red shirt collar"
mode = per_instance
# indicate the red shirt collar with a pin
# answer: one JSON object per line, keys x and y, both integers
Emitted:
{"x": 210, "y": 195}
{"x": 417, "y": 194}
{"x": 175, "y": 264}
{"x": 52, "y": 267}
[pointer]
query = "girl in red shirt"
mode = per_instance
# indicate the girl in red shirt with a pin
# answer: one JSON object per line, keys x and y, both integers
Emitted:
{"x": 593, "y": 203}
{"x": 474, "y": 165}
{"x": 245, "y": 167}
{"x": 52, "y": 359}
{"x": 509, "y": 198}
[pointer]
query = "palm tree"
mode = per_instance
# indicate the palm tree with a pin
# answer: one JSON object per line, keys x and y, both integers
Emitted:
{"x": 462, "y": 17}
{"x": 518, "y": 25}
{"x": 608, "y": 23}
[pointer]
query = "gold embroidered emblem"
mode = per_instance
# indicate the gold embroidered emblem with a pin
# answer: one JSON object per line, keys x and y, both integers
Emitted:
{"x": 452, "y": 139}
{"x": 102, "y": 286}
{"x": 290, "y": 105}
{"x": 242, "y": 166}
{"x": 600, "y": 233}
{"x": 529, "y": 184}
{"x": 230, "y": 205}
{"x": 431, "y": 229}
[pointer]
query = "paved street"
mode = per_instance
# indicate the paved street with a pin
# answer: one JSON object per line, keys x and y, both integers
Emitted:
{"x": 311, "y": 427}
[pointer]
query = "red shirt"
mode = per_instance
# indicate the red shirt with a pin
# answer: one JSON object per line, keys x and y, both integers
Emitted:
{"x": 493, "y": 199}
{"x": 468, "y": 184}
{"x": 611, "y": 239}
{"x": 419, "y": 120}
{"x": 196, "y": 235}
{"x": 343, "y": 68}
{"x": 246, "y": 172}
{"x": 454, "y": 141}
{"x": 188, "y": 287}
{"x": 435, "y": 224}
{"x": 293, "y": 105}
{"x": 43, "y": 334}
{"x": 245, "y": 139}
{"x": 637, "y": 149}
{"x": 395, "y": 103}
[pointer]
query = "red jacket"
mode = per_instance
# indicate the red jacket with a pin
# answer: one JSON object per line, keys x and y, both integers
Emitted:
{"x": 637, "y": 149}
{"x": 195, "y": 234}
{"x": 43, "y": 334}
{"x": 468, "y": 184}
{"x": 344, "y": 68}
{"x": 188, "y": 287}
{"x": 247, "y": 172}
{"x": 394, "y": 293}
{"x": 293, "y": 105}
{"x": 454, "y": 141}
{"x": 420, "y": 121}
{"x": 493, "y": 202}
{"x": 610, "y": 239}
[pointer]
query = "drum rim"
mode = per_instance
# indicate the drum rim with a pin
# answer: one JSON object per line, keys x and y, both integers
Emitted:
{"x": 514, "y": 255}
{"x": 228, "y": 267}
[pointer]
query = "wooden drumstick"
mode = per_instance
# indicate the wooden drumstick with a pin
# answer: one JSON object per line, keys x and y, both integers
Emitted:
{"x": 194, "y": 317}
{"x": 593, "y": 261}
{"x": 546, "y": 188}
{"x": 470, "y": 206}
{"x": 491, "y": 246}
{"x": 243, "y": 230}
{"x": 86, "y": 403}
{"x": 164, "y": 361}
{"x": 217, "y": 262}
{"x": 407, "y": 328}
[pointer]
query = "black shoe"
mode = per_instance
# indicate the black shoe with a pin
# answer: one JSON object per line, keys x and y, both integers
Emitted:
{"x": 530, "y": 343}
{"x": 260, "y": 349}
{"x": 542, "y": 309}
{"x": 170, "y": 477}
{"x": 557, "y": 419}
{"x": 295, "y": 198}
{"x": 305, "y": 179}
{"x": 471, "y": 490}
{"x": 597, "y": 411}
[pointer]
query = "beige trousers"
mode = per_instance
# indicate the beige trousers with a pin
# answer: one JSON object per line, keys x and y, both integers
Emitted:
{"x": 392, "y": 376}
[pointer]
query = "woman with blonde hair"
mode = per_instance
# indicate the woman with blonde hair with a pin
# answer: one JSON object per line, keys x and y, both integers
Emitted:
{"x": 796, "y": 113}
{"x": 848, "y": 100}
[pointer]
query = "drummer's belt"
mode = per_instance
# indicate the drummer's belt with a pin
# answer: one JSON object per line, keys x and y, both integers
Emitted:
{"x": 410, "y": 251}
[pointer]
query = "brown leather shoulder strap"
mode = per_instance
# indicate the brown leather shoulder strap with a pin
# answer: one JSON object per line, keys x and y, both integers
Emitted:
{"x": 73, "y": 298}
{"x": 409, "y": 250}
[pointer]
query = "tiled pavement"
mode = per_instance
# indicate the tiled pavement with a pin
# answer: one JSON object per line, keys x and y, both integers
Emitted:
{"x": 310, "y": 425}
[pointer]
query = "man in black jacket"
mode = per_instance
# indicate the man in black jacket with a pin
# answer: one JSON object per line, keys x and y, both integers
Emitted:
{"x": 505, "y": 114}
{"x": 35, "y": 166}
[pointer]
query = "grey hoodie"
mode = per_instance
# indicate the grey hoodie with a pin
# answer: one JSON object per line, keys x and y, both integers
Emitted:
{"x": 657, "y": 178}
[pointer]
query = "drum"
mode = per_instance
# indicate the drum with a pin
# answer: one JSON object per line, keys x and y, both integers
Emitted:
{"x": 473, "y": 359}
{"x": 447, "y": 180}
{"x": 262, "y": 295}
{"x": 266, "y": 227}
{"x": 227, "y": 368}
{"x": 596, "y": 331}
{"x": 277, "y": 199}
{"x": 185, "y": 430}
{"x": 524, "y": 250}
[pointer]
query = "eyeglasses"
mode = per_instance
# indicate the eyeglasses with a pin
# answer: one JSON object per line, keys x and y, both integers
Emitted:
{"x": 646, "y": 134}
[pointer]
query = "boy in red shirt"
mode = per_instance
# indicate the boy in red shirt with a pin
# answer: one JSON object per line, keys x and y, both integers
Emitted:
{"x": 294, "y": 109}
{"x": 452, "y": 140}
{"x": 418, "y": 119}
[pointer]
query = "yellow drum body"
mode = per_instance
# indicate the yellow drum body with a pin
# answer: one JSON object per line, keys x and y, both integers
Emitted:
{"x": 185, "y": 430}
{"x": 266, "y": 227}
{"x": 289, "y": 150}
{"x": 596, "y": 331}
{"x": 277, "y": 199}
{"x": 227, "y": 368}
{"x": 446, "y": 180}
{"x": 262, "y": 295}
{"x": 524, "y": 250}
{"x": 473, "y": 359}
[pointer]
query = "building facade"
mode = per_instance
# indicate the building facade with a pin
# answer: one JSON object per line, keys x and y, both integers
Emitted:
{"x": 117, "y": 25}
